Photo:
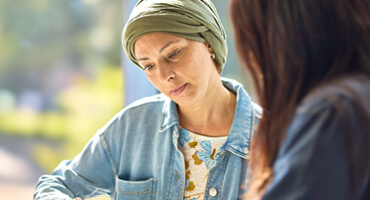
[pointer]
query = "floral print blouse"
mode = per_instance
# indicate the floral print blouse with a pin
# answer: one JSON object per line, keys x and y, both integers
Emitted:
{"x": 199, "y": 154}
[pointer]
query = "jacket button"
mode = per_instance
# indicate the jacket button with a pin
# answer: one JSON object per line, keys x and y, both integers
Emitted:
{"x": 213, "y": 192}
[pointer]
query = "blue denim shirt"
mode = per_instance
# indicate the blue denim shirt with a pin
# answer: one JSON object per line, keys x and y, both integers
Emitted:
{"x": 136, "y": 156}
{"x": 326, "y": 152}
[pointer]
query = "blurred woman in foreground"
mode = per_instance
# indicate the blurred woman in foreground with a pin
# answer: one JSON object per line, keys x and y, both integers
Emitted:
{"x": 311, "y": 66}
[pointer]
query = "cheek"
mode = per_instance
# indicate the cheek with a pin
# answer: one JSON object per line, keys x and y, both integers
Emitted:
{"x": 157, "y": 84}
{"x": 152, "y": 79}
{"x": 193, "y": 65}
{"x": 201, "y": 65}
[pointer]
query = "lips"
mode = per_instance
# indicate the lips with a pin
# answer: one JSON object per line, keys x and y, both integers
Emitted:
{"x": 178, "y": 89}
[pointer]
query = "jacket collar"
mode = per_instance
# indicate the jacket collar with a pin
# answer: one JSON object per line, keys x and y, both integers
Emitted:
{"x": 170, "y": 115}
{"x": 240, "y": 135}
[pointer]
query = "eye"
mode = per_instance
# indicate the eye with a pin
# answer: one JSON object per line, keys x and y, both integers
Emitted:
{"x": 173, "y": 54}
{"x": 148, "y": 67}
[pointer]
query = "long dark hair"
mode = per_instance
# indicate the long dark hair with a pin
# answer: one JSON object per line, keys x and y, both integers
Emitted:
{"x": 298, "y": 45}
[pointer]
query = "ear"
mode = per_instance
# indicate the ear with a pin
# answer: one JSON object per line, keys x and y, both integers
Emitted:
{"x": 210, "y": 49}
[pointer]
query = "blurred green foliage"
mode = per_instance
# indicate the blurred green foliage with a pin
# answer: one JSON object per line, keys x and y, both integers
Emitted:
{"x": 84, "y": 107}
{"x": 60, "y": 73}
{"x": 40, "y": 37}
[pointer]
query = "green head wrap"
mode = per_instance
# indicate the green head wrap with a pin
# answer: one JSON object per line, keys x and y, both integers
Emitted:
{"x": 192, "y": 19}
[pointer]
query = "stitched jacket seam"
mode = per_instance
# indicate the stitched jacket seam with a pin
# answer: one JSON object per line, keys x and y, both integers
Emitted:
{"x": 109, "y": 154}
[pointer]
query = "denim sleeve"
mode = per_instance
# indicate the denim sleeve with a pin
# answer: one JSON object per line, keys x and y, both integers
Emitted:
{"x": 89, "y": 174}
{"x": 319, "y": 159}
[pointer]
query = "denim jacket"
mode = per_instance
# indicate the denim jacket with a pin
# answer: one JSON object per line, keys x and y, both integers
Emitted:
{"x": 136, "y": 156}
{"x": 326, "y": 151}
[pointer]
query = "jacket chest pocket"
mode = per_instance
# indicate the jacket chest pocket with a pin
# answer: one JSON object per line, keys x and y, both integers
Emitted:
{"x": 138, "y": 190}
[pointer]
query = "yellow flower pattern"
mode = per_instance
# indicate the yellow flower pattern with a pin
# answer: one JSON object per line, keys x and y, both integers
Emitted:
{"x": 199, "y": 153}
{"x": 197, "y": 161}
{"x": 193, "y": 144}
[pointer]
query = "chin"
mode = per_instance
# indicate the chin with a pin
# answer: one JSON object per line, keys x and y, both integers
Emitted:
{"x": 180, "y": 102}
{"x": 185, "y": 101}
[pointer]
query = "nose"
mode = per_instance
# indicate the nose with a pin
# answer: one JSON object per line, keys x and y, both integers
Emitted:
{"x": 166, "y": 73}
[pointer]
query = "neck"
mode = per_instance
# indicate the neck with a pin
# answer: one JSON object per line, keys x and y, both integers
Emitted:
{"x": 212, "y": 115}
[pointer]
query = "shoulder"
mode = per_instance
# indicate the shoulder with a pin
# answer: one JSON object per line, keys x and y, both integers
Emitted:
{"x": 341, "y": 95}
{"x": 146, "y": 104}
{"x": 332, "y": 112}
{"x": 138, "y": 113}
{"x": 327, "y": 132}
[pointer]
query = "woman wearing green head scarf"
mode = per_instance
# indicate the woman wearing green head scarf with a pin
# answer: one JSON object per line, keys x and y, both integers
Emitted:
{"x": 189, "y": 142}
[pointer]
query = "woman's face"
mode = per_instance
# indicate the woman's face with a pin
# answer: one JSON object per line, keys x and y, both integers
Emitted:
{"x": 180, "y": 68}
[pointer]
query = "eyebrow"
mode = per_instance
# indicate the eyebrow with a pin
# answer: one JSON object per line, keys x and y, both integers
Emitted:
{"x": 160, "y": 51}
{"x": 167, "y": 45}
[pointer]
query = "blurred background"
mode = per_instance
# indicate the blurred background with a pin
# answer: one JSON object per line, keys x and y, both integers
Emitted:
{"x": 63, "y": 75}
